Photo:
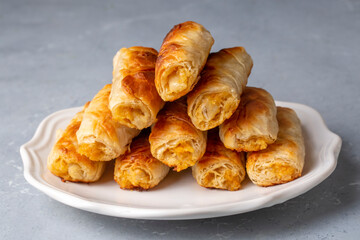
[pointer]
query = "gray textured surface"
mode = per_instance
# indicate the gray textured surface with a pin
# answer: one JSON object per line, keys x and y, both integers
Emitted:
{"x": 55, "y": 55}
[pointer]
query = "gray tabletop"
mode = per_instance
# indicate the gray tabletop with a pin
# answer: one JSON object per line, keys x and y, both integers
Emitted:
{"x": 58, "y": 54}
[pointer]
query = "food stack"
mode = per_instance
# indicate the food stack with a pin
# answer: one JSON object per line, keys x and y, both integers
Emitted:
{"x": 182, "y": 107}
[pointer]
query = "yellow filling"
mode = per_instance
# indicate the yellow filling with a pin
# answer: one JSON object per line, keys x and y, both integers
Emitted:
{"x": 127, "y": 115}
{"x": 213, "y": 106}
{"x": 176, "y": 81}
{"x": 60, "y": 167}
{"x": 93, "y": 151}
{"x": 282, "y": 171}
{"x": 183, "y": 147}
{"x": 134, "y": 178}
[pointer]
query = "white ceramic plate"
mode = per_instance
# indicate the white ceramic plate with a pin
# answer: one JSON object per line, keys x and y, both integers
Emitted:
{"x": 178, "y": 196}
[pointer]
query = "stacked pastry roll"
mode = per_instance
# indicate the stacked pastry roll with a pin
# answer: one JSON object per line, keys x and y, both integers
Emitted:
{"x": 91, "y": 139}
{"x": 134, "y": 100}
{"x": 195, "y": 111}
{"x": 282, "y": 161}
{"x": 222, "y": 82}
{"x": 139, "y": 170}
{"x": 64, "y": 160}
{"x": 182, "y": 56}
{"x": 100, "y": 137}
{"x": 174, "y": 140}
{"x": 220, "y": 167}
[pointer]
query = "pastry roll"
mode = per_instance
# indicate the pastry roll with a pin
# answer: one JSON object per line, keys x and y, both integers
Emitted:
{"x": 138, "y": 169}
{"x": 182, "y": 56}
{"x": 65, "y": 162}
{"x": 217, "y": 95}
{"x": 220, "y": 167}
{"x": 134, "y": 100}
{"x": 100, "y": 137}
{"x": 253, "y": 125}
{"x": 282, "y": 161}
{"x": 174, "y": 140}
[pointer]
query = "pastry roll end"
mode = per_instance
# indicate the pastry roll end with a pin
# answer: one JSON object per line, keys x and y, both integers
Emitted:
{"x": 217, "y": 95}
{"x": 134, "y": 100}
{"x": 212, "y": 109}
{"x": 100, "y": 137}
{"x": 73, "y": 167}
{"x": 128, "y": 108}
{"x": 95, "y": 150}
{"x": 282, "y": 161}
{"x": 253, "y": 126}
{"x": 174, "y": 140}
{"x": 220, "y": 173}
{"x": 182, "y": 56}
{"x": 139, "y": 170}
{"x": 219, "y": 168}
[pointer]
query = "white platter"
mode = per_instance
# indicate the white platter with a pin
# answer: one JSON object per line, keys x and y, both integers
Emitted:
{"x": 178, "y": 196}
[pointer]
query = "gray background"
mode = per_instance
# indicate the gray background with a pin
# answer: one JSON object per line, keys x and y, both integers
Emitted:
{"x": 56, "y": 55}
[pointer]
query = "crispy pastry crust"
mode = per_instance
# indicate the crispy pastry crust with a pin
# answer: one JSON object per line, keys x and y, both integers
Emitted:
{"x": 182, "y": 56}
{"x": 253, "y": 125}
{"x": 174, "y": 139}
{"x": 282, "y": 161}
{"x": 217, "y": 95}
{"x": 100, "y": 137}
{"x": 134, "y": 100}
{"x": 220, "y": 167}
{"x": 65, "y": 162}
{"x": 139, "y": 170}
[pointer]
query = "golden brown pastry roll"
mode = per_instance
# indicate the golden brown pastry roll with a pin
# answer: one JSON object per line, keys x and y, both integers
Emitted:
{"x": 100, "y": 137}
{"x": 174, "y": 140}
{"x": 182, "y": 56}
{"x": 283, "y": 160}
{"x": 217, "y": 95}
{"x": 253, "y": 125}
{"x": 138, "y": 169}
{"x": 220, "y": 167}
{"x": 134, "y": 100}
{"x": 65, "y": 162}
